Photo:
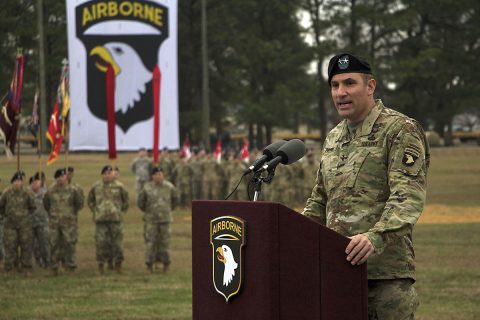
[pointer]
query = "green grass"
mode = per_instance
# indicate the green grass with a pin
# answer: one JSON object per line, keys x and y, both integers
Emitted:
{"x": 448, "y": 271}
{"x": 454, "y": 176}
{"x": 447, "y": 255}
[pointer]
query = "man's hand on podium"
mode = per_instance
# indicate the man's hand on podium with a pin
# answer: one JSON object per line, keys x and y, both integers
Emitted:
{"x": 359, "y": 249}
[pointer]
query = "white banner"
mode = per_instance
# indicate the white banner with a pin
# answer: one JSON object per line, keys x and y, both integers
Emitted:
{"x": 133, "y": 36}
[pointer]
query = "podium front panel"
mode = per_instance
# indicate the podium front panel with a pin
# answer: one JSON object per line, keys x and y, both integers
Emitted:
{"x": 258, "y": 297}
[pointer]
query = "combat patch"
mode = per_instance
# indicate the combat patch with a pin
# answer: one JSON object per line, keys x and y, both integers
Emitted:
{"x": 411, "y": 154}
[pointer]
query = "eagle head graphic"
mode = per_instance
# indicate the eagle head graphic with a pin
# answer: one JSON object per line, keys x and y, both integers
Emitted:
{"x": 125, "y": 62}
{"x": 225, "y": 255}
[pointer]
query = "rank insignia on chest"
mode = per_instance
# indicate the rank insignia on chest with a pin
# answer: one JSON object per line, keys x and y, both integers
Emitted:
{"x": 410, "y": 155}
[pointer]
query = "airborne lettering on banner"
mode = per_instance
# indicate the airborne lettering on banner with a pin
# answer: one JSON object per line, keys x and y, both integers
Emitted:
{"x": 113, "y": 9}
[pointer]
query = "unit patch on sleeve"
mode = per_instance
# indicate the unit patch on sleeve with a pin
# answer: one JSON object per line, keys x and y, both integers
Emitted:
{"x": 410, "y": 155}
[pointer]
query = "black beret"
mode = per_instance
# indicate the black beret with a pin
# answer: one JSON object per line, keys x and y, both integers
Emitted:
{"x": 347, "y": 63}
{"x": 156, "y": 169}
{"x": 60, "y": 172}
{"x": 17, "y": 176}
{"x": 36, "y": 176}
{"x": 107, "y": 168}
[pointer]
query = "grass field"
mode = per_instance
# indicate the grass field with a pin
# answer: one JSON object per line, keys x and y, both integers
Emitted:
{"x": 447, "y": 242}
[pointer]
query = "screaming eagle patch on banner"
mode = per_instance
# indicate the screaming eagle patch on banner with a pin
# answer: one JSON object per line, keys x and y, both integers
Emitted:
{"x": 227, "y": 236}
{"x": 134, "y": 38}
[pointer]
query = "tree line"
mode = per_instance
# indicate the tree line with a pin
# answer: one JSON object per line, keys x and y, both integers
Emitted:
{"x": 267, "y": 59}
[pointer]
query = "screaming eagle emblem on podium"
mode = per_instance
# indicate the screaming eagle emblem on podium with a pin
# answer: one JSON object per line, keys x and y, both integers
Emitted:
{"x": 227, "y": 236}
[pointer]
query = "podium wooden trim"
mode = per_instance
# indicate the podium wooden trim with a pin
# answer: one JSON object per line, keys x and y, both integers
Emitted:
{"x": 294, "y": 268}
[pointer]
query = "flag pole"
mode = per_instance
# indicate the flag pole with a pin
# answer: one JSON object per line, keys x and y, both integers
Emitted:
{"x": 39, "y": 147}
{"x": 18, "y": 141}
{"x": 18, "y": 118}
{"x": 66, "y": 128}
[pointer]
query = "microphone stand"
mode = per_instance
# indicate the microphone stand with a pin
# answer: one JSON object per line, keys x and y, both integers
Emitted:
{"x": 257, "y": 180}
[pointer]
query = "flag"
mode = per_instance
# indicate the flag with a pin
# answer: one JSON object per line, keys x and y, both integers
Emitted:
{"x": 218, "y": 151}
{"x": 63, "y": 96}
{"x": 185, "y": 152}
{"x": 33, "y": 125}
{"x": 10, "y": 107}
{"x": 244, "y": 152}
{"x": 54, "y": 134}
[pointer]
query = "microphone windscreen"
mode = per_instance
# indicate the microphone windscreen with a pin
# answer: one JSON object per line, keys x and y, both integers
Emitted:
{"x": 272, "y": 149}
{"x": 292, "y": 151}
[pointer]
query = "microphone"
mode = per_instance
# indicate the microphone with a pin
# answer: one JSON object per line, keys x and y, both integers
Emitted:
{"x": 290, "y": 152}
{"x": 268, "y": 154}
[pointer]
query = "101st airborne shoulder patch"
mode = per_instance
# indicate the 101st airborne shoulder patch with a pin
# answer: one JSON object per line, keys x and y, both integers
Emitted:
{"x": 411, "y": 154}
{"x": 227, "y": 236}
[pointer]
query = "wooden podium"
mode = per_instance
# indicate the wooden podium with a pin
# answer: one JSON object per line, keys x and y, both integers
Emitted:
{"x": 292, "y": 267}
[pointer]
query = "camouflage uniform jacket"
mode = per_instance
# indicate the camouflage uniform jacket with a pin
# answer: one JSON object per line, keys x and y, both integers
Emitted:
{"x": 108, "y": 201}
{"x": 157, "y": 200}
{"x": 79, "y": 189}
{"x": 375, "y": 184}
{"x": 62, "y": 204}
{"x": 40, "y": 216}
{"x": 142, "y": 168}
{"x": 16, "y": 206}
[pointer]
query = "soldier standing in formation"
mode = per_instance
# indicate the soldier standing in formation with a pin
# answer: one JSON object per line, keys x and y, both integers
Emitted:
{"x": 16, "y": 207}
{"x": 157, "y": 200}
{"x": 62, "y": 202}
{"x": 196, "y": 164}
{"x": 309, "y": 173}
{"x": 141, "y": 168}
{"x": 234, "y": 170}
{"x": 41, "y": 247}
{"x": 214, "y": 179}
{"x": 183, "y": 181}
{"x": 108, "y": 201}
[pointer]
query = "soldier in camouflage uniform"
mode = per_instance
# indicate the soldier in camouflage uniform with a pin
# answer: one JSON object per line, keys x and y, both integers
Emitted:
{"x": 371, "y": 187}
{"x": 282, "y": 189}
{"x": 78, "y": 188}
{"x": 183, "y": 180}
{"x": 108, "y": 201}
{"x": 308, "y": 175}
{"x": 16, "y": 207}
{"x": 40, "y": 245}
{"x": 234, "y": 169}
{"x": 141, "y": 168}
{"x": 214, "y": 179}
{"x": 62, "y": 202}
{"x": 157, "y": 200}
{"x": 196, "y": 164}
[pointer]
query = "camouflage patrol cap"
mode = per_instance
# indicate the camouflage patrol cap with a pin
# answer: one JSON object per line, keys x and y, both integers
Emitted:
{"x": 107, "y": 168}
{"x": 347, "y": 63}
{"x": 60, "y": 172}
{"x": 17, "y": 176}
{"x": 156, "y": 169}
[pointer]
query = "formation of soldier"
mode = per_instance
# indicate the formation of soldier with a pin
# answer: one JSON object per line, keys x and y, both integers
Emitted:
{"x": 203, "y": 177}
{"x": 41, "y": 222}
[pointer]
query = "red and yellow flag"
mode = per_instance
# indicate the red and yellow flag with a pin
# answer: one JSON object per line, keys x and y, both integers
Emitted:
{"x": 55, "y": 134}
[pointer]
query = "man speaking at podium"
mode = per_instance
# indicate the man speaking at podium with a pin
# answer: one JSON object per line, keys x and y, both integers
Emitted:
{"x": 371, "y": 186}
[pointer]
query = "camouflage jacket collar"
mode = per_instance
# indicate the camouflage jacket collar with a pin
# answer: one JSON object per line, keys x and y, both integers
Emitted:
{"x": 367, "y": 124}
